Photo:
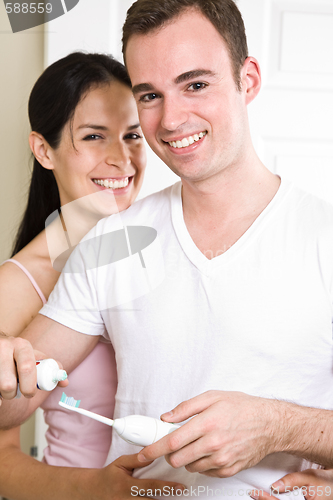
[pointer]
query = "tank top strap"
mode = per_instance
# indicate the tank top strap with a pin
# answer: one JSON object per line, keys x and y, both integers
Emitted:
{"x": 30, "y": 277}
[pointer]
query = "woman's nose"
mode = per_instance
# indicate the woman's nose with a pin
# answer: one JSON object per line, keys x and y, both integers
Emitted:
{"x": 118, "y": 155}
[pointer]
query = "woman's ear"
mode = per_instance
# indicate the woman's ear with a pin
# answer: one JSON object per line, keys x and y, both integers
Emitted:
{"x": 41, "y": 150}
{"x": 250, "y": 79}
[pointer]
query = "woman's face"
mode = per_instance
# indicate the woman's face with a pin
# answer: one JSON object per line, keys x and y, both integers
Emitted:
{"x": 101, "y": 149}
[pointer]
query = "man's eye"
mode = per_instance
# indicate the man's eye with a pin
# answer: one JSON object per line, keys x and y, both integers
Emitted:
{"x": 197, "y": 86}
{"x": 148, "y": 97}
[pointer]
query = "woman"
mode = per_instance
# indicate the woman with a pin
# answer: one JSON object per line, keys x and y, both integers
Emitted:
{"x": 90, "y": 159}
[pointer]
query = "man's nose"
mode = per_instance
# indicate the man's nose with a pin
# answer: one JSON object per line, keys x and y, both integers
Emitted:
{"x": 174, "y": 114}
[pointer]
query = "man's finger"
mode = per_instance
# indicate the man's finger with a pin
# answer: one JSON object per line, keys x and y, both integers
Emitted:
{"x": 171, "y": 443}
{"x": 191, "y": 407}
{"x": 130, "y": 462}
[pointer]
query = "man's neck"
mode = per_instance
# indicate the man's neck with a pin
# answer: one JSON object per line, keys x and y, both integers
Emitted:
{"x": 217, "y": 212}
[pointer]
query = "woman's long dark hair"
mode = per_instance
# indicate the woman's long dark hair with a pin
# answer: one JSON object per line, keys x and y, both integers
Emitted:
{"x": 52, "y": 104}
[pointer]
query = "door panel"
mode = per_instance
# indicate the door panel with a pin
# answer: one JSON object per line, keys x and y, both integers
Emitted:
{"x": 292, "y": 118}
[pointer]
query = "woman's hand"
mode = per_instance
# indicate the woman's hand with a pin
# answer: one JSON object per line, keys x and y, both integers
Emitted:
{"x": 18, "y": 362}
{"x": 22, "y": 477}
{"x": 314, "y": 484}
{"x": 115, "y": 481}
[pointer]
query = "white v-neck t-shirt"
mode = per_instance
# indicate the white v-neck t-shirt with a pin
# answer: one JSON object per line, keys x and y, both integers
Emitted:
{"x": 255, "y": 319}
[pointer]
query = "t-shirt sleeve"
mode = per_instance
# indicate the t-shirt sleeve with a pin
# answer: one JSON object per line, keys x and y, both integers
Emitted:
{"x": 74, "y": 301}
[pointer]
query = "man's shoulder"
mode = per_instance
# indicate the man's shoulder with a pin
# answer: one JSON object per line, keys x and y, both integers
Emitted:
{"x": 309, "y": 216}
{"x": 153, "y": 201}
{"x": 311, "y": 207}
{"x": 149, "y": 210}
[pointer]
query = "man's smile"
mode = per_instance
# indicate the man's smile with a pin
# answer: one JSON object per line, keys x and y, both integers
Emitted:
{"x": 187, "y": 141}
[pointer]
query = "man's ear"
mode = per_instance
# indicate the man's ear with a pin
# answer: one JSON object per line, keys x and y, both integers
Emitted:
{"x": 250, "y": 78}
{"x": 41, "y": 150}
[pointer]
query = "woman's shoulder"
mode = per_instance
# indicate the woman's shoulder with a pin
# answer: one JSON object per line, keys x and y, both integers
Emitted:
{"x": 24, "y": 281}
{"x": 19, "y": 303}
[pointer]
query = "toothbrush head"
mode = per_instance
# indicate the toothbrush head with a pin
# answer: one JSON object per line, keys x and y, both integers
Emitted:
{"x": 69, "y": 401}
{"x": 71, "y": 404}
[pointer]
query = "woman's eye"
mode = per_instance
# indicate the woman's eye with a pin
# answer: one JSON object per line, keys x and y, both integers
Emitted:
{"x": 91, "y": 137}
{"x": 197, "y": 86}
{"x": 148, "y": 97}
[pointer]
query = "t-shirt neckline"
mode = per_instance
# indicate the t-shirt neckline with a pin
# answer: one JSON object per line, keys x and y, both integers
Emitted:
{"x": 205, "y": 265}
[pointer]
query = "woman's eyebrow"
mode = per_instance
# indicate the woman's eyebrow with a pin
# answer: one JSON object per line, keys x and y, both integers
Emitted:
{"x": 132, "y": 127}
{"x": 91, "y": 125}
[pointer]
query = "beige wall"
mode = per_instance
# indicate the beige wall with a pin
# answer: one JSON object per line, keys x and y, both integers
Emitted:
{"x": 21, "y": 62}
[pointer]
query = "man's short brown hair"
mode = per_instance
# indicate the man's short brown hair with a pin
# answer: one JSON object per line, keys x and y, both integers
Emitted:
{"x": 145, "y": 16}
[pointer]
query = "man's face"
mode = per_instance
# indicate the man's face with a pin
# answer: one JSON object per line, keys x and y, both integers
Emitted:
{"x": 190, "y": 110}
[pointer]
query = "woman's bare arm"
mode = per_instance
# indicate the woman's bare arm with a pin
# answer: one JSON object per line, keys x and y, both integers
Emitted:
{"x": 24, "y": 478}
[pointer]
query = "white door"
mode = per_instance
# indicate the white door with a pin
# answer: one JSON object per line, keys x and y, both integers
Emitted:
{"x": 292, "y": 117}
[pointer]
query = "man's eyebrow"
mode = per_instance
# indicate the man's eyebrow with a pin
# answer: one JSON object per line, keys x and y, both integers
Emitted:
{"x": 184, "y": 77}
{"x": 196, "y": 73}
{"x": 142, "y": 87}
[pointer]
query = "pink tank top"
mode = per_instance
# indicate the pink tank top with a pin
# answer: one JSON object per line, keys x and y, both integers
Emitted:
{"x": 30, "y": 277}
{"x": 75, "y": 440}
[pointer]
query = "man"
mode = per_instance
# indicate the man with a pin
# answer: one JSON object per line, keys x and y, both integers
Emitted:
{"x": 246, "y": 302}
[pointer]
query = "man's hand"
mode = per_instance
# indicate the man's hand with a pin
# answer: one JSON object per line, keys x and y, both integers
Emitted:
{"x": 313, "y": 484}
{"x": 231, "y": 431}
{"x": 115, "y": 481}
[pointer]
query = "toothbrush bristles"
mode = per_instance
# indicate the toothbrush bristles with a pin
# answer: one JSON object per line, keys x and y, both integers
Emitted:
{"x": 70, "y": 401}
{"x": 71, "y": 404}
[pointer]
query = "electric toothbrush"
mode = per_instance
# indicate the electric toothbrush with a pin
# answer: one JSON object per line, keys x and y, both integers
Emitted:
{"x": 135, "y": 429}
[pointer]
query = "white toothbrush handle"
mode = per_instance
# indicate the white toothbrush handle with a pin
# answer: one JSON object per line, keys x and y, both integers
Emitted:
{"x": 88, "y": 413}
{"x": 141, "y": 430}
{"x": 135, "y": 429}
